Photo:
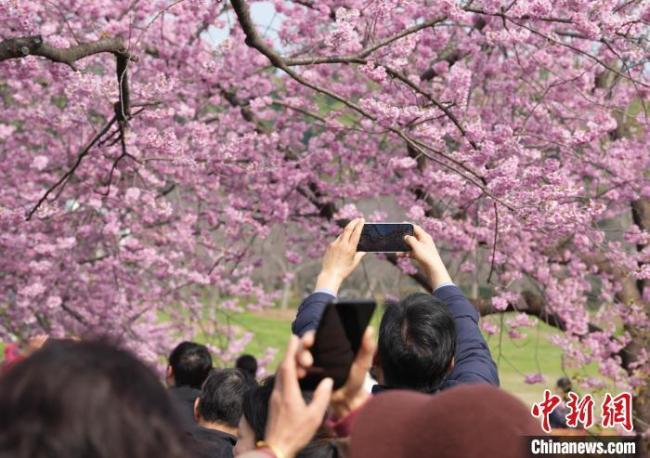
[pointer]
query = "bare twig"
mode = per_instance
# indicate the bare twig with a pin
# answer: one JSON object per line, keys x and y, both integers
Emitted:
{"x": 83, "y": 153}
{"x": 494, "y": 242}
{"x": 359, "y": 57}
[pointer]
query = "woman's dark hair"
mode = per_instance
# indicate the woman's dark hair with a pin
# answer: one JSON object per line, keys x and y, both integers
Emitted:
{"x": 255, "y": 407}
{"x": 86, "y": 399}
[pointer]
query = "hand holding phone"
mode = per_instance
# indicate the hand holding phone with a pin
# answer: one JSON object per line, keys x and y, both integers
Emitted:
{"x": 341, "y": 257}
{"x": 426, "y": 254}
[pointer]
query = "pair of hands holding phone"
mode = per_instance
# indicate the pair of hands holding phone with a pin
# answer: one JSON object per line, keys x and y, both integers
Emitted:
{"x": 342, "y": 257}
{"x": 292, "y": 422}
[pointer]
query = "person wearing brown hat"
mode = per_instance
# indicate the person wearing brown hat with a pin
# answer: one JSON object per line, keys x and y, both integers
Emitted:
{"x": 465, "y": 421}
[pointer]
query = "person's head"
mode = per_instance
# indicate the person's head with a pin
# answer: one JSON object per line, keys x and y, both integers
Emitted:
{"x": 255, "y": 413}
{"x": 247, "y": 364}
{"x": 220, "y": 403}
{"x": 73, "y": 399}
{"x": 464, "y": 421}
{"x": 189, "y": 365}
{"x": 325, "y": 448}
{"x": 563, "y": 386}
{"x": 417, "y": 340}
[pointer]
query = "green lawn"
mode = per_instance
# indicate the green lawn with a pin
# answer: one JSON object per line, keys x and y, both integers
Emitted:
{"x": 270, "y": 331}
{"x": 515, "y": 358}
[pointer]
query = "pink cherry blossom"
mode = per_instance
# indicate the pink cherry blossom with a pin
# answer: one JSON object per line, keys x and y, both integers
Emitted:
{"x": 513, "y": 133}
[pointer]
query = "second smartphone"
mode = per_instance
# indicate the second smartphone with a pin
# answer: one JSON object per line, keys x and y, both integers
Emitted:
{"x": 338, "y": 339}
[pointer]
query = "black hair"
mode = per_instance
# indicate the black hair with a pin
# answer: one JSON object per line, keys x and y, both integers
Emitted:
{"x": 222, "y": 396}
{"x": 86, "y": 399}
{"x": 256, "y": 412}
{"x": 564, "y": 383}
{"x": 417, "y": 341}
{"x": 247, "y": 364}
{"x": 255, "y": 406}
{"x": 324, "y": 448}
{"x": 191, "y": 364}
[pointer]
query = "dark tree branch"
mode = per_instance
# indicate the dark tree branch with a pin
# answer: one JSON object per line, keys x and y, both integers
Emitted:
{"x": 359, "y": 58}
{"x": 20, "y": 47}
{"x": 494, "y": 242}
{"x": 83, "y": 153}
{"x": 124, "y": 154}
{"x": 123, "y": 105}
{"x": 451, "y": 58}
{"x": 13, "y": 48}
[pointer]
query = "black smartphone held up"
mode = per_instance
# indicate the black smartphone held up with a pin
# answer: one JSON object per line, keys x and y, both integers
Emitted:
{"x": 384, "y": 237}
{"x": 338, "y": 339}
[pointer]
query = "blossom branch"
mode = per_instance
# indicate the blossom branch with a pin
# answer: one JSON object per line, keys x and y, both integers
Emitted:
{"x": 254, "y": 41}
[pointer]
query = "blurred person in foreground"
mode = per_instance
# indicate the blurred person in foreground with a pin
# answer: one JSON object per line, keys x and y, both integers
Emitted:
{"x": 218, "y": 409}
{"x": 189, "y": 365}
{"x": 15, "y": 352}
{"x": 427, "y": 342}
{"x": 87, "y": 400}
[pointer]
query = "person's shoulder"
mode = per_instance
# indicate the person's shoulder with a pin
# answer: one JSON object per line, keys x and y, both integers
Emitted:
{"x": 449, "y": 383}
{"x": 213, "y": 435}
{"x": 185, "y": 393}
{"x": 212, "y": 442}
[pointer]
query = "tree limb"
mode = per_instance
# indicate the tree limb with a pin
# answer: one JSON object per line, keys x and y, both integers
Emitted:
{"x": 83, "y": 153}
{"x": 14, "y": 48}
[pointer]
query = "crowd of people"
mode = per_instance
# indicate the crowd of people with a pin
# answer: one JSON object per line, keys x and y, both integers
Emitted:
{"x": 433, "y": 391}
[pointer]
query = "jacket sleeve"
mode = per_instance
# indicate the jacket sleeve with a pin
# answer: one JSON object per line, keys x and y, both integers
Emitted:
{"x": 473, "y": 361}
{"x": 310, "y": 311}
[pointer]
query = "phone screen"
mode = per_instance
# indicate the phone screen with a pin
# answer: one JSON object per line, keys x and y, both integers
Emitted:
{"x": 337, "y": 342}
{"x": 384, "y": 237}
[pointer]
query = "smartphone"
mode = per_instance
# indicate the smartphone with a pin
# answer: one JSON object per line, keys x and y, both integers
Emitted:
{"x": 384, "y": 237}
{"x": 338, "y": 339}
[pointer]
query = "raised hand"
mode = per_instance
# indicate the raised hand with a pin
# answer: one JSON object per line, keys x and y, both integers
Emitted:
{"x": 292, "y": 423}
{"x": 425, "y": 252}
{"x": 341, "y": 257}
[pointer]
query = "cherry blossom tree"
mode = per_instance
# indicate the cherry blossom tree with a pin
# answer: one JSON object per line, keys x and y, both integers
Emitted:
{"x": 140, "y": 159}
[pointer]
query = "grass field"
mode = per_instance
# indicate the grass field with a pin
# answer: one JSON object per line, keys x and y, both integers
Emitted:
{"x": 532, "y": 354}
{"x": 515, "y": 358}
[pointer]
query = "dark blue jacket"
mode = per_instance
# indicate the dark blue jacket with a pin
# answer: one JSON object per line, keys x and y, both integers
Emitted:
{"x": 473, "y": 361}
